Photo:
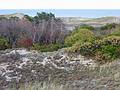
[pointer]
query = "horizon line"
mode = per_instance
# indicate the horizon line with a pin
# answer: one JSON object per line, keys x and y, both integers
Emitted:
{"x": 85, "y": 13}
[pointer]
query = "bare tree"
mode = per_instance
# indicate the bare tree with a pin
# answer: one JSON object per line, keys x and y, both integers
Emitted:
{"x": 44, "y": 28}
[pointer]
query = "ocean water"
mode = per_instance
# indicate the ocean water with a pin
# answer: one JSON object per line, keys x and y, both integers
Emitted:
{"x": 90, "y": 13}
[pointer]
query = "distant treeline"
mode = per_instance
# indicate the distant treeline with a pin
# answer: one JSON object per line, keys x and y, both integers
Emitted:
{"x": 43, "y": 28}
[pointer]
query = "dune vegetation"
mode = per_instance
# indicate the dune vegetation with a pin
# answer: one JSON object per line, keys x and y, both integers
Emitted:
{"x": 39, "y": 53}
{"x": 40, "y": 33}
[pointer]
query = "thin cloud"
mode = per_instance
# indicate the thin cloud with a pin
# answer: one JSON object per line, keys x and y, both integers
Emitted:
{"x": 61, "y": 4}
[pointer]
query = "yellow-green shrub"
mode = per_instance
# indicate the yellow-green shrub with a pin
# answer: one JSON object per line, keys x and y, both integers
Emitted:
{"x": 116, "y": 31}
{"x": 4, "y": 44}
{"x": 82, "y": 35}
{"x": 104, "y": 50}
{"x": 47, "y": 47}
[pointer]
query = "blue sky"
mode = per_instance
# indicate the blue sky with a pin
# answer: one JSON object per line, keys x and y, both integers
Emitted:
{"x": 59, "y": 4}
{"x": 91, "y": 13}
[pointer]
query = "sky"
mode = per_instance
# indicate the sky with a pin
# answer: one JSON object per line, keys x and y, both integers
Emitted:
{"x": 63, "y": 8}
{"x": 89, "y": 13}
{"x": 59, "y": 4}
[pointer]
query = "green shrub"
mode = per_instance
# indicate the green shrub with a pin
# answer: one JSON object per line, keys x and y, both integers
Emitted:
{"x": 47, "y": 48}
{"x": 108, "y": 26}
{"x": 111, "y": 51}
{"x": 4, "y": 44}
{"x": 84, "y": 26}
{"x": 103, "y": 50}
{"x": 116, "y": 31}
{"x": 75, "y": 48}
{"x": 114, "y": 40}
{"x": 81, "y": 36}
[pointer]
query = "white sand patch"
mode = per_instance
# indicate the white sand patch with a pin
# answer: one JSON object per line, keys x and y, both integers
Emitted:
{"x": 10, "y": 78}
{"x": 48, "y": 61}
{"x": 21, "y": 52}
{"x": 25, "y": 60}
{"x": 3, "y": 66}
{"x": 45, "y": 61}
{"x": 82, "y": 60}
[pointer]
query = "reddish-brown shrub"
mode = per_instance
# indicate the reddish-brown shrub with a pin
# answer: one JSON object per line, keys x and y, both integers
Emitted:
{"x": 25, "y": 42}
